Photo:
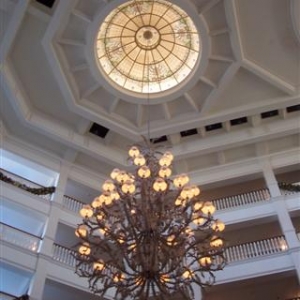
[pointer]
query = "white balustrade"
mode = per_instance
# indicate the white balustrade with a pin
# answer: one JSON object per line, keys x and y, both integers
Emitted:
{"x": 256, "y": 249}
{"x": 64, "y": 255}
{"x": 242, "y": 199}
{"x": 72, "y": 204}
{"x": 20, "y": 238}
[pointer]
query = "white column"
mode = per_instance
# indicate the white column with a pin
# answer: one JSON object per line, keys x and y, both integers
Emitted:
{"x": 284, "y": 218}
{"x": 197, "y": 292}
{"x": 38, "y": 281}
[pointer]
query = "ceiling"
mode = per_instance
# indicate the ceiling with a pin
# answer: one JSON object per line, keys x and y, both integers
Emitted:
{"x": 248, "y": 78}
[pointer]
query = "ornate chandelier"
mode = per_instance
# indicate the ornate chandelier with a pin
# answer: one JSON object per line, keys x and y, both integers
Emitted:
{"x": 148, "y": 236}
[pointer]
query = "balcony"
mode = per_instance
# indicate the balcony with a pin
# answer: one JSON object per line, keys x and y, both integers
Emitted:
{"x": 252, "y": 251}
{"x": 19, "y": 238}
{"x": 26, "y": 185}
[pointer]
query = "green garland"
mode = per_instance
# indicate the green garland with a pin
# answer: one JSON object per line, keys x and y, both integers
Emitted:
{"x": 289, "y": 186}
{"x": 36, "y": 191}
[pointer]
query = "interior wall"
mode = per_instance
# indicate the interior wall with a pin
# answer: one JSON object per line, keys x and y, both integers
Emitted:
{"x": 233, "y": 189}
{"x": 252, "y": 232}
{"x": 276, "y": 289}
{"x": 289, "y": 177}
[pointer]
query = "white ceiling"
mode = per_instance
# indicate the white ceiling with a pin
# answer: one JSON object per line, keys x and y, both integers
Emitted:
{"x": 52, "y": 91}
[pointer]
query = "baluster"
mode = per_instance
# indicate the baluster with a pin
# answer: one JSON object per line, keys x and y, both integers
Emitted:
{"x": 255, "y": 249}
{"x": 259, "y": 195}
{"x": 251, "y": 248}
{"x": 266, "y": 247}
{"x": 237, "y": 199}
{"x": 55, "y": 252}
{"x": 252, "y": 197}
{"x": 244, "y": 251}
{"x": 229, "y": 254}
{"x": 259, "y": 248}
{"x": 271, "y": 245}
{"x": 229, "y": 202}
{"x": 220, "y": 203}
{"x": 233, "y": 253}
{"x": 66, "y": 256}
{"x": 248, "y": 198}
{"x": 239, "y": 252}
{"x": 256, "y": 196}
{"x": 232, "y": 201}
{"x": 60, "y": 252}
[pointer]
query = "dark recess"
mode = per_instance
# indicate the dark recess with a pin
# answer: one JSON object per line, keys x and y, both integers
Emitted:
{"x": 159, "y": 140}
{"x": 238, "y": 121}
{"x": 48, "y": 3}
{"x": 213, "y": 127}
{"x": 293, "y": 108}
{"x": 188, "y": 132}
{"x": 269, "y": 114}
{"x": 99, "y": 130}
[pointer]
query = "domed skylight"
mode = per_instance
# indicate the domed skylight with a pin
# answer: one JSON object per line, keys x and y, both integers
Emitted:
{"x": 147, "y": 46}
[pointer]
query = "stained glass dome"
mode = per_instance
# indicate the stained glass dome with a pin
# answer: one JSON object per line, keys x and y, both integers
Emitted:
{"x": 147, "y": 46}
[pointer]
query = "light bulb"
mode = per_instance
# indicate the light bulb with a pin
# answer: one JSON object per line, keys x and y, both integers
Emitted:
{"x": 134, "y": 151}
{"x": 86, "y": 211}
{"x": 115, "y": 195}
{"x": 122, "y": 176}
{"x": 84, "y": 249}
{"x": 108, "y": 186}
{"x": 198, "y": 205}
{"x": 159, "y": 185}
{"x": 139, "y": 160}
{"x": 99, "y": 265}
{"x": 187, "y": 193}
{"x": 187, "y": 274}
{"x": 128, "y": 187}
{"x": 199, "y": 221}
{"x": 179, "y": 201}
{"x": 114, "y": 173}
{"x": 106, "y": 198}
{"x": 81, "y": 231}
{"x": 144, "y": 172}
{"x": 208, "y": 208}
{"x": 218, "y": 226}
{"x": 216, "y": 242}
{"x": 181, "y": 180}
{"x": 165, "y": 172}
{"x": 97, "y": 202}
{"x": 205, "y": 261}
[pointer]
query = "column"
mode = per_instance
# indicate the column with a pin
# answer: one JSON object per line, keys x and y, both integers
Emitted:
{"x": 38, "y": 281}
{"x": 285, "y": 221}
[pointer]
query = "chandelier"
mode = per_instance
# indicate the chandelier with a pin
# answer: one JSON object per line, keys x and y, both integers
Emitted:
{"x": 149, "y": 235}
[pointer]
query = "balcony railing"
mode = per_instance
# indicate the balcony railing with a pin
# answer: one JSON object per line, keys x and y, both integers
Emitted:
{"x": 25, "y": 184}
{"x": 242, "y": 199}
{"x": 64, "y": 255}
{"x": 72, "y": 204}
{"x": 256, "y": 249}
{"x": 235, "y": 253}
{"x": 19, "y": 238}
{"x": 75, "y": 205}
